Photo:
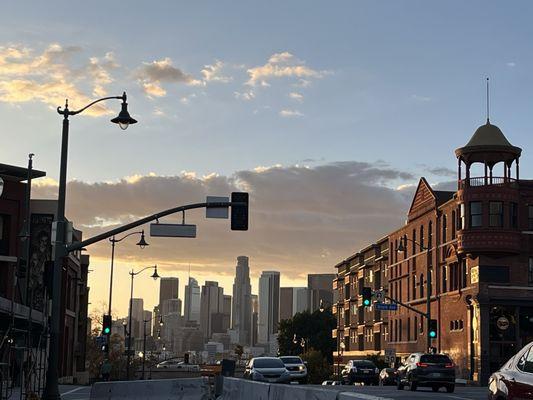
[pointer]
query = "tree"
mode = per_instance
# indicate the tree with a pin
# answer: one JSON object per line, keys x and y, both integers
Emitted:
{"x": 318, "y": 367}
{"x": 239, "y": 351}
{"x": 95, "y": 355}
{"x": 315, "y": 328}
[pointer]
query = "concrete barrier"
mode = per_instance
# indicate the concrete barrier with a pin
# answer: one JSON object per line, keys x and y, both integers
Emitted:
{"x": 165, "y": 389}
{"x": 296, "y": 392}
{"x": 360, "y": 396}
{"x": 242, "y": 389}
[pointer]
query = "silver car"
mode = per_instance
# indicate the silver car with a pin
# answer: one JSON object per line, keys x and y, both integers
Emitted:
{"x": 296, "y": 368}
{"x": 267, "y": 369}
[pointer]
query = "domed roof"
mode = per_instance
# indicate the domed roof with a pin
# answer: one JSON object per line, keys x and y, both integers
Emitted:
{"x": 488, "y": 144}
{"x": 488, "y": 135}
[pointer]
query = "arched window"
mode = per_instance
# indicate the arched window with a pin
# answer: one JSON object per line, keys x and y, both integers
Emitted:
{"x": 421, "y": 285}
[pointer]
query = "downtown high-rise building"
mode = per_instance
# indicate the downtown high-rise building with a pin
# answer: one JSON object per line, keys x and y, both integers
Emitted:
{"x": 137, "y": 316}
{"x": 242, "y": 302}
{"x": 255, "y": 320}
{"x": 268, "y": 306}
{"x": 211, "y": 305}
{"x": 320, "y": 289}
{"x": 293, "y": 300}
{"x": 168, "y": 289}
{"x": 192, "y": 301}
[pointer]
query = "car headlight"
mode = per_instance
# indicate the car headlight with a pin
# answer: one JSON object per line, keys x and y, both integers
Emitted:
{"x": 301, "y": 367}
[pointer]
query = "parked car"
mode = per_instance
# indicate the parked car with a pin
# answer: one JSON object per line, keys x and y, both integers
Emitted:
{"x": 514, "y": 380}
{"x": 387, "y": 376}
{"x": 296, "y": 368}
{"x": 178, "y": 365}
{"x": 363, "y": 371}
{"x": 430, "y": 370}
{"x": 267, "y": 369}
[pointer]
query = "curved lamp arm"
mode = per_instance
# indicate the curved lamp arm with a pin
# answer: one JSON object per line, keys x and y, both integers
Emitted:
{"x": 67, "y": 112}
{"x": 144, "y": 269}
{"x": 112, "y": 239}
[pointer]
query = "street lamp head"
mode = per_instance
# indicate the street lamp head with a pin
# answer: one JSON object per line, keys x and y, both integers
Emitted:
{"x": 124, "y": 119}
{"x": 142, "y": 243}
{"x": 161, "y": 323}
{"x": 401, "y": 247}
{"x": 155, "y": 275}
{"x": 321, "y": 308}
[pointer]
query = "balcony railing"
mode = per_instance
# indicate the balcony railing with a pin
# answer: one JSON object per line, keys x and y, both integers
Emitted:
{"x": 486, "y": 181}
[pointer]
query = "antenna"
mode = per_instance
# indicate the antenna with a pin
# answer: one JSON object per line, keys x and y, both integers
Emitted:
{"x": 488, "y": 102}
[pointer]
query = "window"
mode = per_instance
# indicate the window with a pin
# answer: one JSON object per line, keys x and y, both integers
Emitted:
{"x": 496, "y": 214}
{"x": 444, "y": 279}
{"x": 513, "y": 215}
{"x": 400, "y": 330}
{"x": 454, "y": 216}
{"x": 430, "y": 234}
{"x": 464, "y": 272}
{"x": 444, "y": 229}
{"x": 525, "y": 363}
{"x": 421, "y": 285}
{"x": 408, "y": 329}
{"x": 530, "y": 272}
{"x": 415, "y": 328}
{"x": 4, "y": 235}
{"x": 462, "y": 217}
{"x": 414, "y": 287}
{"x": 530, "y": 217}
{"x": 476, "y": 214}
{"x": 422, "y": 238}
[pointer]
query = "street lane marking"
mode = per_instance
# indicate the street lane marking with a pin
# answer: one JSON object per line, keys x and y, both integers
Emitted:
{"x": 72, "y": 391}
{"x": 365, "y": 396}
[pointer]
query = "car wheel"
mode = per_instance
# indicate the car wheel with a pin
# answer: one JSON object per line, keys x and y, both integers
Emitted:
{"x": 450, "y": 388}
{"x": 435, "y": 388}
{"x": 412, "y": 386}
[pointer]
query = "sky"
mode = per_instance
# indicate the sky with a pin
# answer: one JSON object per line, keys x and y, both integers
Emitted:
{"x": 328, "y": 113}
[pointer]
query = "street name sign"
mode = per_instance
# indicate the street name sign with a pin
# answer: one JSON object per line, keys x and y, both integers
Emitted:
{"x": 386, "y": 306}
{"x": 217, "y": 212}
{"x": 173, "y": 230}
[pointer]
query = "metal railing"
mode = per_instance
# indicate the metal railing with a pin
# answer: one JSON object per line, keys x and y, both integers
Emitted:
{"x": 479, "y": 181}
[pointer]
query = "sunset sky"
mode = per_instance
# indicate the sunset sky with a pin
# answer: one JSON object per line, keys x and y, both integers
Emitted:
{"x": 327, "y": 113}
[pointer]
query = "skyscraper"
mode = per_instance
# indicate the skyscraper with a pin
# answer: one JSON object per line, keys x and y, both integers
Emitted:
{"x": 147, "y": 317}
{"x": 293, "y": 300}
{"x": 242, "y": 302}
{"x": 268, "y": 305}
{"x": 137, "y": 315}
{"x": 255, "y": 320}
{"x": 168, "y": 289}
{"x": 321, "y": 288}
{"x": 192, "y": 301}
{"x": 211, "y": 302}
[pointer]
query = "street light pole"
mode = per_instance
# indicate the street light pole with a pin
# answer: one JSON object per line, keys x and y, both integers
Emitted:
{"x": 132, "y": 273}
{"x": 51, "y": 391}
{"x": 144, "y": 339}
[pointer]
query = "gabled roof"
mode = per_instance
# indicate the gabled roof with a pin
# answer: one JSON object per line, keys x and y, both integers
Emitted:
{"x": 425, "y": 198}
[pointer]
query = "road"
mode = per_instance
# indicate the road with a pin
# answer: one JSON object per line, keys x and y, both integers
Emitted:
{"x": 391, "y": 393}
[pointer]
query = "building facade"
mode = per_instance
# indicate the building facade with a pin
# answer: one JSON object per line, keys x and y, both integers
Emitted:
{"x": 192, "y": 301}
{"x": 320, "y": 290}
{"x": 212, "y": 304}
{"x": 268, "y": 305}
{"x": 242, "y": 301}
{"x": 475, "y": 244}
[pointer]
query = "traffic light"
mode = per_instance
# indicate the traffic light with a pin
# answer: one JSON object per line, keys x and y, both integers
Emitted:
{"x": 239, "y": 214}
{"x": 107, "y": 325}
{"x": 367, "y": 296}
{"x": 433, "y": 328}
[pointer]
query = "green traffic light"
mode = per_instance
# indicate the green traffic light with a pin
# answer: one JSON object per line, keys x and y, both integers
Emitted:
{"x": 366, "y": 302}
{"x": 107, "y": 330}
{"x": 432, "y": 334}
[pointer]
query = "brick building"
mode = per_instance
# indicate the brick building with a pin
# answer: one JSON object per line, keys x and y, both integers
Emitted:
{"x": 480, "y": 241}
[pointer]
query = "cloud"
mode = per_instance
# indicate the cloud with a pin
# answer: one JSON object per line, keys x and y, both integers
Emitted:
{"x": 297, "y": 214}
{"x": 213, "y": 73}
{"x": 511, "y": 64}
{"x": 441, "y": 171}
{"x": 290, "y": 113}
{"x": 151, "y": 76}
{"x": 246, "y": 96}
{"x": 423, "y": 99}
{"x": 296, "y": 96}
{"x": 281, "y": 65}
{"x": 58, "y": 72}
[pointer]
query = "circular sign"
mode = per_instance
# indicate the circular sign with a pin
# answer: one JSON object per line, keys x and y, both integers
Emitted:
{"x": 1, "y": 186}
{"x": 502, "y": 323}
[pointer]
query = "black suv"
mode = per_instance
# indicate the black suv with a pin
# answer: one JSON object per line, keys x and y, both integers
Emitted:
{"x": 430, "y": 370}
{"x": 363, "y": 371}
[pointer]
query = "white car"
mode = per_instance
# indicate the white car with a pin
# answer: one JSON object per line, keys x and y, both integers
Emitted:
{"x": 296, "y": 368}
{"x": 178, "y": 365}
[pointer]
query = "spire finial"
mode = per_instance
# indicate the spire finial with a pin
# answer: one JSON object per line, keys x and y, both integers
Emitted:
{"x": 488, "y": 102}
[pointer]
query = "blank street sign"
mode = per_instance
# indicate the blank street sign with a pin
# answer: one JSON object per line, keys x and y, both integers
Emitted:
{"x": 173, "y": 230}
{"x": 216, "y": 212}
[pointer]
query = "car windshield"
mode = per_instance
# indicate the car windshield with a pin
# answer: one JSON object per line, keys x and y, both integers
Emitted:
{"x": 291, "y": 360}
{"x": 268, "y": 363}
{"x": 364, "y": 364}
{"x": 435, "y": 359}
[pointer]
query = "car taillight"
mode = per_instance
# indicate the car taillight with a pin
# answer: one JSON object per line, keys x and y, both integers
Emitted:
{"x": 421, "y": 365}
{"x": 449, "y": 365}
